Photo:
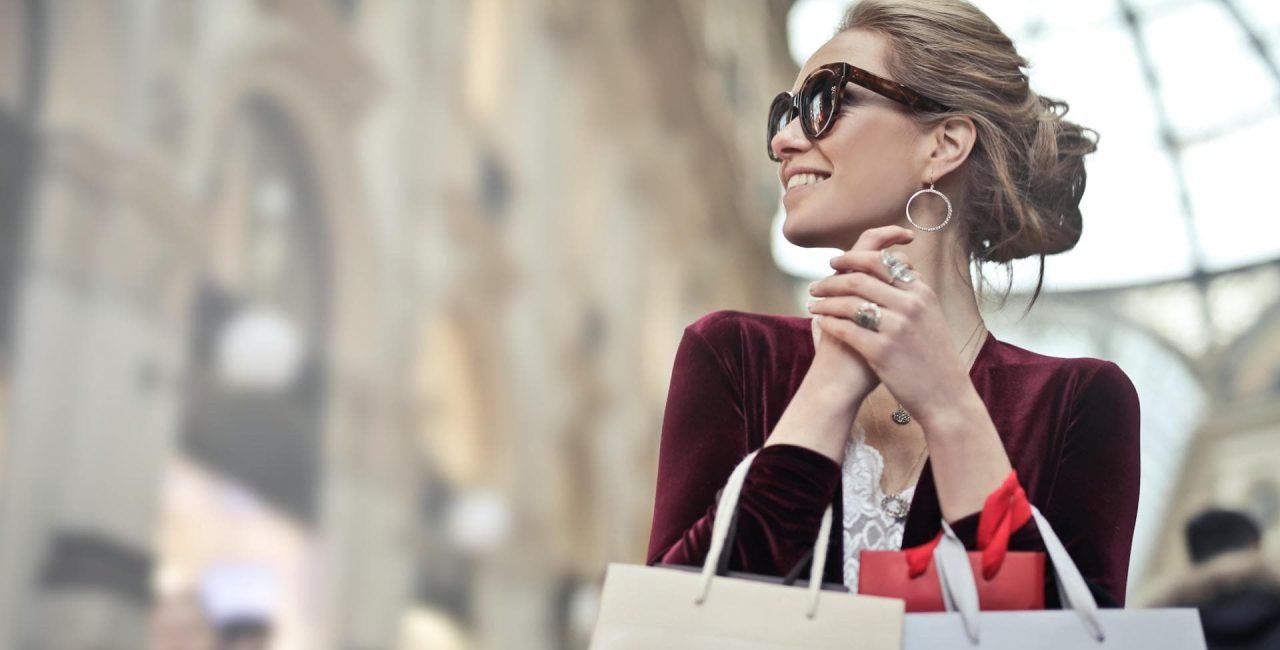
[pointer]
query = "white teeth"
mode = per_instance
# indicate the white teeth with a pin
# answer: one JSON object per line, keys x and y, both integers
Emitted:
{"x": 804, "y": 179}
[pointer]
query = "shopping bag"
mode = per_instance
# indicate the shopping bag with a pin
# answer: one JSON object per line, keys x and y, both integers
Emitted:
{"x": 659, "y": 607}
{"x": 1079, "y": 625}
{"x": 1019, "y": 585}
{"x": 1006, "y": 580}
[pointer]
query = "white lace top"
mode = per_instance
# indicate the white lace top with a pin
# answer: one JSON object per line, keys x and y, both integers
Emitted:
{"x": 866, "y": 524}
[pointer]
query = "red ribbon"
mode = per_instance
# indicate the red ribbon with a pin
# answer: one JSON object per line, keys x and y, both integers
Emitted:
{"x": 919, "y": 557}
{"x": 1005, "y": 511}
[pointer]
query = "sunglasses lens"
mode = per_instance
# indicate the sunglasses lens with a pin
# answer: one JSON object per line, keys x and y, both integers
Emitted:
{"x": 779, "y": 116}
{"x": 818, "y": 101}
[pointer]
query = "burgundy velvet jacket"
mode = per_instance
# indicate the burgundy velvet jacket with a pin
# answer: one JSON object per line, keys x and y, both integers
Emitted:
{"x": 1070, "y": 427}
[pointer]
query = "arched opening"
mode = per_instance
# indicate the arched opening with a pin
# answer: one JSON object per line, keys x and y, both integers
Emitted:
{"x": 260, "y": 317}
{"x": 241, "y": 501}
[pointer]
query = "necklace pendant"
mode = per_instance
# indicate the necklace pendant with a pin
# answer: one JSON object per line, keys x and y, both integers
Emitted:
{"x": 901, "y": 416}
{"x": 895, "y": 506}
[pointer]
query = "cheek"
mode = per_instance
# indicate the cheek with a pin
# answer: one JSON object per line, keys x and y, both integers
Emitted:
{"x": 872, "y": 166}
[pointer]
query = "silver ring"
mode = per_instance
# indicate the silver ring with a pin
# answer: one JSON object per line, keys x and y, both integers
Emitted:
{"x": 903, "y": 273}
{"x": 868, "y": 316}
{"x": 898, "y": 270}
{"x": 888, "y": 259}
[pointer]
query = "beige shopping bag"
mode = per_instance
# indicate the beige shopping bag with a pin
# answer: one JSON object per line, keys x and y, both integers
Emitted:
{"x": 656, "y": 607}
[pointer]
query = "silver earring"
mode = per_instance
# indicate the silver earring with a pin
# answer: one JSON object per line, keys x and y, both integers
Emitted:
{"x": 944, "y": 200}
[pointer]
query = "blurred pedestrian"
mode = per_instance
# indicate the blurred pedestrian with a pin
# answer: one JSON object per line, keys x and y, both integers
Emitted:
{"x": 1236, "y": 590}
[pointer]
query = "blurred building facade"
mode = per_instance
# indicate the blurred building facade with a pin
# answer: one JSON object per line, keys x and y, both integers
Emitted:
{"x": 376, "y": 299}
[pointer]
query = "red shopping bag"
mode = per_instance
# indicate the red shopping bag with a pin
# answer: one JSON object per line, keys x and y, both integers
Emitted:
{"x": 1006, "y": 580}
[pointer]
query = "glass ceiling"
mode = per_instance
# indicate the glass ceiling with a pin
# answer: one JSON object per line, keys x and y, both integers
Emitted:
{"x": 1186, "y": 97}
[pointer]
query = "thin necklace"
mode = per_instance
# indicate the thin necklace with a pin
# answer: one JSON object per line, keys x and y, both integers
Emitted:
{"x": 901, "y": 416}
{"x": 893, "y": 503}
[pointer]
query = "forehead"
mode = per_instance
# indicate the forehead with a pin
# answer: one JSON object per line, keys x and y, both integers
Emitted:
{"x": 863, "y": 49}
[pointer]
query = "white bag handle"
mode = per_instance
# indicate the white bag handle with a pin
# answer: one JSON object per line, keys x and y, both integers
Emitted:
{"x": 720, "y": 530}
{"x": 960, "y": 591}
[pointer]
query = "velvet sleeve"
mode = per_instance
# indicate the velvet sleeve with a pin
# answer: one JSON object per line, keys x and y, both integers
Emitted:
{"x": 1093, "y": 502}
{"x": 704, "y": 437}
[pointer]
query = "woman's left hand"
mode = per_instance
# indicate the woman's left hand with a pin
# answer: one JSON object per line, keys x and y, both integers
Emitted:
{"x": 911, "y": 351}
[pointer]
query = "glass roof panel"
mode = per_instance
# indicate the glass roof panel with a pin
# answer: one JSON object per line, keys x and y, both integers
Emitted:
{"x": 1055, "y": 16}
{"x": 1150, "y": 8}
{"x": 1016, "y": 17}
{"x": 1230, "y": 180}
{"x": 1262, "y": 14}
{"x": 1201, "y": 91}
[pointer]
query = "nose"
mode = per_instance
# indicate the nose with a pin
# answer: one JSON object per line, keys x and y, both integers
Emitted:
{"x": 790, "y": 140}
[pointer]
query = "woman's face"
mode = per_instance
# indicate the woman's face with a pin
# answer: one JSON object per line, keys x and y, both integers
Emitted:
{"x": 867, "y": 164}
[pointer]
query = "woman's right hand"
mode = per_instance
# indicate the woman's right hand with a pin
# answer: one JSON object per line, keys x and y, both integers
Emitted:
{"x": 839, "y": 364}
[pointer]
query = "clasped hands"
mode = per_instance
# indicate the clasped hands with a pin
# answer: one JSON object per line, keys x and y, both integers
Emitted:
{"x": 910, "y": 350}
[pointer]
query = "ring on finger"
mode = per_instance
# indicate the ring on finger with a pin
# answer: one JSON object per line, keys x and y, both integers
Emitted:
{"x": 889, "y": 259}
{"x": 898, "y": 270}
{"x": 868, "y": 315}
{"x": 903, "y": 273}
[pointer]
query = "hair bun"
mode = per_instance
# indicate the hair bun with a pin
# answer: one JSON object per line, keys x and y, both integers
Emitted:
{"x": 1055, "y": 183}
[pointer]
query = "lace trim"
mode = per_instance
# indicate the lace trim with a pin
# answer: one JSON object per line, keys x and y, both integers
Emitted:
{"x": 866, "y": 524}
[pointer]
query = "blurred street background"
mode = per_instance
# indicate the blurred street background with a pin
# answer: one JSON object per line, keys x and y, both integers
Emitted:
{"x": 348, "y": 323}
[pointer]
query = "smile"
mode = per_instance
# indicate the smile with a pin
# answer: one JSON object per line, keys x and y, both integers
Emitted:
{"x": 805, "y": 179}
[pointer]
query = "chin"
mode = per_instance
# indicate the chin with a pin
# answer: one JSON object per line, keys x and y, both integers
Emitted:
{"x": 810, "y": 237}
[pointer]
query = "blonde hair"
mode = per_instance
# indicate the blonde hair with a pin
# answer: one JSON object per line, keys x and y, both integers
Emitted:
{"x": 1025, "y": 175}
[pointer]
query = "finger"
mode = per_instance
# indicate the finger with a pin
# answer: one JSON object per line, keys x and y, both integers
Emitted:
{"x": 883, "y": 237}
{"x": 862, "y": 340}
{"x": 859, "y": 260}
{"x": 866, "y": 262}
{"x": 846, "y": 307}
{"x": 858, "y": 285}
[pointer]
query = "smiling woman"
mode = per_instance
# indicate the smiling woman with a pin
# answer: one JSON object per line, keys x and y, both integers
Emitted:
{"x": 920, "y": 148}
{"x": 1194, "y": 154}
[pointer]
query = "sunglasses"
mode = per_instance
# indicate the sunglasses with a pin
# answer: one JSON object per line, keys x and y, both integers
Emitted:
{"x": 821, "y": 94}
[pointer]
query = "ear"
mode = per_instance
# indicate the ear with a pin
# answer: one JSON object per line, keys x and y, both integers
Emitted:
{"x": 948, "y": 145}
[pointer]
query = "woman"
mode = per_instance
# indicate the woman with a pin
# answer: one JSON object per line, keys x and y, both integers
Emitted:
{"x": 894, "y": 404}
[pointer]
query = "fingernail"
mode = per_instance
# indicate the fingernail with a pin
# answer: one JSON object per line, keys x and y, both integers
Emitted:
{"x": 811, "y": 303}
{"x": 812, "y": 285}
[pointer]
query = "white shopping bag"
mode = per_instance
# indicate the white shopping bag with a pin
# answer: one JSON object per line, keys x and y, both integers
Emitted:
{"x": 646, "y": 607}
{"x": 1080, "y": 625}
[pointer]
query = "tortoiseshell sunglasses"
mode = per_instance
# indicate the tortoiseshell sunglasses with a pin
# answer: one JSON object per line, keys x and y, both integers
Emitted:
{"x": 820, "y": 96}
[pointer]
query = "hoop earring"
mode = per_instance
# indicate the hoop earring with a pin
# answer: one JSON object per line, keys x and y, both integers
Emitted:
{"x": 944, "y": 200}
